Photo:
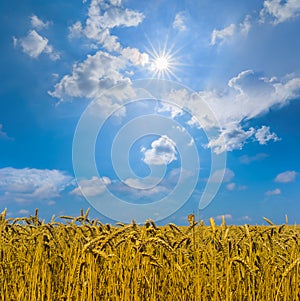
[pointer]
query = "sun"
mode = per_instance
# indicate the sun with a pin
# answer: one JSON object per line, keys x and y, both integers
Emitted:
{"x": 163, "y": 62}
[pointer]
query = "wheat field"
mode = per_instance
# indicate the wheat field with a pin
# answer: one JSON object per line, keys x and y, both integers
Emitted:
{"x": 83, "y": 259}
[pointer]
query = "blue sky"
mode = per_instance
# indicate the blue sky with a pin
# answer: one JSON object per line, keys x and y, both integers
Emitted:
{"x": 148, "y": 108}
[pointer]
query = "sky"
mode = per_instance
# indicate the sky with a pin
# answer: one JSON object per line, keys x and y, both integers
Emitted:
{"x": 151, "y": 109}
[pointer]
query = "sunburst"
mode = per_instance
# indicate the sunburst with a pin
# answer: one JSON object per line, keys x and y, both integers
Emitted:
{"x": 163, "y": 62}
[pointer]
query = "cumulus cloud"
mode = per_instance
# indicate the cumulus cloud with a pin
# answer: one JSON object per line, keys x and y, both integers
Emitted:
{"x": 276, "y": 191}
{"x": 93, "y": 187}
{"x": 106, "y": 68}
{"x": 179, "y": 22}
{"x": 249, "y": 95}
{"x": 27, "y": 184}
{"x": 92, "y": 76}
{"x": 102, "y": 17}
{"x": 38, "y": 23}
{"x": 162, "y": 151}
{"x": 223, "y": 34}
{"x": 34, "y": 45}
{"x": 135, "y": 56}
{"x": 264, "y": 135}
{"x": 286, "y": 177}
{"x": 231, "y": 138}
{"x": 280, "y": 11}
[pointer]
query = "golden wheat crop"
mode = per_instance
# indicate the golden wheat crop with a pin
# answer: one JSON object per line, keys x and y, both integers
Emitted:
{"x": 84, "y": 259}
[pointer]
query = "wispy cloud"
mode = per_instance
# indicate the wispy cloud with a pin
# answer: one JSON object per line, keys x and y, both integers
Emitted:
{"x": 3, "y": 135}
{"x": 246, "y": 159}
{"x": 37, "y": 23}
{"x": 23, "y": 211}
{"x": 226, "y": 216}
{"x": 276, "y": 191}
{"x": 246, "y": 25}
{"x": 223, "y": 34}
{"x": 231, "y": 186}
{"x": 245, "y": 218}
{"x": 92, "y": 187}
{"x": 234, "y": 187}
{"x": 226, "y": 175}
{"x": 286, "y": 177}
{"x": 179, "y": 22}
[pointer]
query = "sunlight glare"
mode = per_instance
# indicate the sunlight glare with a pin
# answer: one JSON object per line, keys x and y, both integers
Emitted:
{"x": 161, "y": 63}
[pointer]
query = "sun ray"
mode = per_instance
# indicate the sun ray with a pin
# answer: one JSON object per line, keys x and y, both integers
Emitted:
{"x": 163, "y": 62}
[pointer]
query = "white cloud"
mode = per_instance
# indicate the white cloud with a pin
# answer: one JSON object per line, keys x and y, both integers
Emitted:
{"x": 102, "y": 17}
{"x": 162, "y": 151}
{"x": 231, "y": 186}
{"x": 276, "y": 191}
{"x": 93, "y": 187}
{"x": 23, "y": 211}
{"x": 263, "y": 135}
{"x": 97, "y": 73}
{"x": 141, "y": 183}
{"x": 245, "y": 159}
{"x": 180, "y": 21}
{"x": 226, "y": 216}
{"x": 223, "y": 34}
{"x": 286, "y": 177}
{"x": 245, "y": 218}
{"x": 242, "y": 29}
{"x": 135, "y": 57}
{"x": 249, "y": 95}
{"x": 246, "y": 25}
{"x": 194, "y": 122}
{"x": 234, "y": 187}
{"x": 116, "y": 16}
{"x": 34, "y": 45}
{"x": 75, "y": 30}
{"x": 192, "y": 142}
{"x": 29, "y": 184}
{"x": 168, "y": 107}
{"x": 128, "y": 191}
{"x": 38, "y": 23}
{"x": 231, "y": 138}
{"x": 280, "y": 11}
{"x": 225, "y": 175}
{"x": 91, "y": 77}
